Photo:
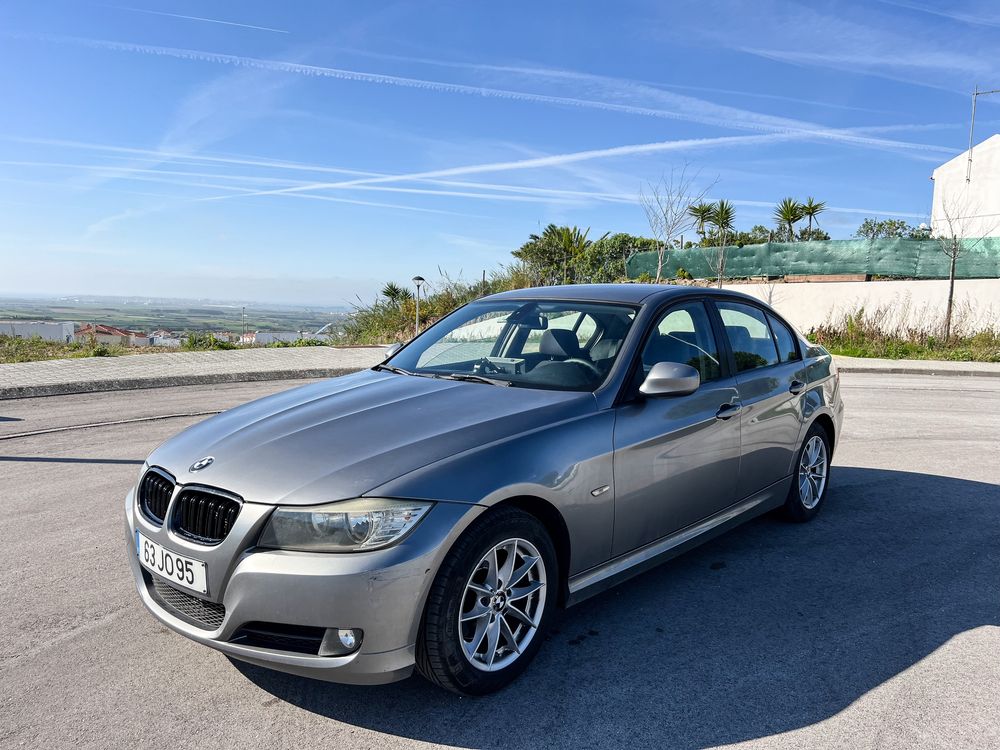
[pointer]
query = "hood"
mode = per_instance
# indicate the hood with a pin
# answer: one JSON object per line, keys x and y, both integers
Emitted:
{"x": 340, "y": 438}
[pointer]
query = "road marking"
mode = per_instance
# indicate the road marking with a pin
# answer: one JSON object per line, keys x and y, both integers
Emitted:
{"x": 91, "y": 425}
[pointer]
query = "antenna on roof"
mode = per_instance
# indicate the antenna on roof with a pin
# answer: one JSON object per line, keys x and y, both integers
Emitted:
{"x": 975, "y": 95}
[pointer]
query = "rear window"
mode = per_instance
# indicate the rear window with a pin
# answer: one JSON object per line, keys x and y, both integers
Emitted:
{"x": 788, "y": 347}
{"x": 749, "y": 335}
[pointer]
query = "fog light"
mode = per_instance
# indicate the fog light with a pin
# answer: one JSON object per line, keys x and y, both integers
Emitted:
{"x": 348, "y": 639}
{"x": 341, "y": 641}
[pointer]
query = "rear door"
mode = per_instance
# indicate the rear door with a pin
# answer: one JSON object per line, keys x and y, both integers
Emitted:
{"x": 770, "y": 378}
{"x": 676, "y": 458}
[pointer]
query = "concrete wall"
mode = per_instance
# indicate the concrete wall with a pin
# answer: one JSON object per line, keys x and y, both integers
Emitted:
{"x": 167, "y": 341}
{"x": 917, "y": 304}
{"x": 269, "y": 337}
{"x": 62, "y": 332}
{"x": 974, "y": 206}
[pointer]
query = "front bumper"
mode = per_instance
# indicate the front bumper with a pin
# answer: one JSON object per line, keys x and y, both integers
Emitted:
{"x": 381, "y": 592}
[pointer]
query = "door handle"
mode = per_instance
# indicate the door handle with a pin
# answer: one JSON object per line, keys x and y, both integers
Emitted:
{"x": 796, "y": 387}
{"x": 727, "y": 411}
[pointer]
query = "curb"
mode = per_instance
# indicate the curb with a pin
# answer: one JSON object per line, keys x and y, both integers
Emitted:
{"x": 167, "y": 381}
{"x": 926, "y": 371}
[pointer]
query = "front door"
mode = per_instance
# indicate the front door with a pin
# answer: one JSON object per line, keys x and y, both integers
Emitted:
{"x": 676, "y": 458}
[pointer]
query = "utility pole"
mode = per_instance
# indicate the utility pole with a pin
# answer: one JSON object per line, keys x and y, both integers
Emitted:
{"x": 975, "y": 95}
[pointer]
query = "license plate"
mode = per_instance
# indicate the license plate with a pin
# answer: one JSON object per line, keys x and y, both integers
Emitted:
{"x": 179, "y": 570}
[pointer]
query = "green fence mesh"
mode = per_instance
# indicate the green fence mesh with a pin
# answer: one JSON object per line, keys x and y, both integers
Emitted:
{"x": 919, "y": 259}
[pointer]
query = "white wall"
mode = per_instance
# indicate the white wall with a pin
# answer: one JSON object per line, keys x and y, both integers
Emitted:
{"x": 49, "y": 331}
{"x": 167, "y": 341}
{"x": 918, "y": 304}
{"x": 269, "y": 337}
{"x": 974, "y": 206}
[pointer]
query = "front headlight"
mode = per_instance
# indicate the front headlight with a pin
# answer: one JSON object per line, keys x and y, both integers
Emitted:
{"x": 347, "y": 526}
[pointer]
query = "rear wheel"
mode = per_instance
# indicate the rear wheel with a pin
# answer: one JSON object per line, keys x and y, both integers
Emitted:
{"x": 811, "y": 478}
{"x": 490, "y": 604}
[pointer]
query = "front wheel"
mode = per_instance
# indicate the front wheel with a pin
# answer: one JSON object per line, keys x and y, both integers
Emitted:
{"x": 811, "y": 478}
{"x": 489, "y": 605}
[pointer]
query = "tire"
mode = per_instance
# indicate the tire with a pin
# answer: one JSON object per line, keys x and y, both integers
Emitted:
{"x": 811, "y": 478}
{"x": 469, "y": 586}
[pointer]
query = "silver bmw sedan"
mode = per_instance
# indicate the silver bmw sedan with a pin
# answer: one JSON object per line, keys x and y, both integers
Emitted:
{"x": 527, "y": 451}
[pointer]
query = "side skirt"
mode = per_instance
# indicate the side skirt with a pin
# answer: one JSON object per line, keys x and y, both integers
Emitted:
{"x": 591, "y": 582}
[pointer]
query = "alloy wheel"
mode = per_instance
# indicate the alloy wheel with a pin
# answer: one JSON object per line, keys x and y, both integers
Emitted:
{"x": 502, "y": 604}
{"x": 812, "y": 472}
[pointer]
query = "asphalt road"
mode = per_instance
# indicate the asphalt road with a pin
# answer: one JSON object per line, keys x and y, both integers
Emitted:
{"x": 875, "y": 626}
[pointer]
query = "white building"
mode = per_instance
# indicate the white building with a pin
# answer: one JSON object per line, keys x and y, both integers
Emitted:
{"x": 968, "y": 208}
{"x": 62, "y": 332}
{"x": 171, "y": 342}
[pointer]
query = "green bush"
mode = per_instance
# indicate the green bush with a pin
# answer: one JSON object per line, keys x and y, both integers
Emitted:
{"x": 197, "y": 342}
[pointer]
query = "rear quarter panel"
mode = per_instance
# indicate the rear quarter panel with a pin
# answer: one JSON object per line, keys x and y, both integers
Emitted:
{"x": 823, "y": 390}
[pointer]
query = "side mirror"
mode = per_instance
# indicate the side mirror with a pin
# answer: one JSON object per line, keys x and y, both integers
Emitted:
{"x": 670, "y": 379}
{"x": 393, "y": 349}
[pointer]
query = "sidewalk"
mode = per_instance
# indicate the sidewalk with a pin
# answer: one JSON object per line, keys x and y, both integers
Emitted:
{"x": 918, "y": 367}
{"x": 61, "y": 376}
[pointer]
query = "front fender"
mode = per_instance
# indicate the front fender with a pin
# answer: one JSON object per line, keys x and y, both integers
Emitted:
{"x": 562, "y": 464}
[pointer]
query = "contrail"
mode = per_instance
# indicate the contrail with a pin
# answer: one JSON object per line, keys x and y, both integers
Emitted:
{"x": 736, "y": 120}
{"x": 160, "y": 155}
{"x": 198, "y": 18}
{"x": 534, "y": 163}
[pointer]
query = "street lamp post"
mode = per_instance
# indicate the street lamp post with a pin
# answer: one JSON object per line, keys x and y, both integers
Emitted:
{"x": 419, "y": 281}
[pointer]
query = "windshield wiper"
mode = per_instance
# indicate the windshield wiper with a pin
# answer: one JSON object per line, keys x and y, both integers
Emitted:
{"x": 393, "y": 368}
{"x": 473, "y": 378}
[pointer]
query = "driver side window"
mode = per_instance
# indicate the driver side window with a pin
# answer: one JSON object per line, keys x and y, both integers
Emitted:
{"x": 684, "y": 335}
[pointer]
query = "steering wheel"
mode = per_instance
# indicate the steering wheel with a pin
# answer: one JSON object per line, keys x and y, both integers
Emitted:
{"x": 589, "y": 365}
{"x": 484, "y": 365}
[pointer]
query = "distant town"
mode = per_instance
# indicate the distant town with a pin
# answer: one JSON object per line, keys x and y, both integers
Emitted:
{"x": 148, "y": 322}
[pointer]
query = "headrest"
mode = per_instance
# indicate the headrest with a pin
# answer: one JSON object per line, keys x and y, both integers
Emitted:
{"x": 739, "y": 337}
{"x": 559, "y": 342}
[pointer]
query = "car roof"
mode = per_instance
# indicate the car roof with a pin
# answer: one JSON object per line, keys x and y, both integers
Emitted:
{"x": 629, "y": 294}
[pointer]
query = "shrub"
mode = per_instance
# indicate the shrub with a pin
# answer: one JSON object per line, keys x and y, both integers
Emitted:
{"x": 391, "y": 318}
{"x": 884, "y": 332}
{"x": 205, "y": 342}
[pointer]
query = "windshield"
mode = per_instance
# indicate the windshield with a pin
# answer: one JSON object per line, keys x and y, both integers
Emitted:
{"x": 562, "y": 345}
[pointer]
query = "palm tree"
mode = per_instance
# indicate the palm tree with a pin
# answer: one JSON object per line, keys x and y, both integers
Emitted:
{"x": 723, "y": 218}
{"x": 701, "y": 213}
{"x": 395, "y": 293}
{"x": 811, "y": 209}
{"x": 573, "y": 244}
{"x": 786, "y": 213}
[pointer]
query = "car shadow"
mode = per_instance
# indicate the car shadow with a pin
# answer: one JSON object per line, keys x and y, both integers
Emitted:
{"x": 770, "y": 628}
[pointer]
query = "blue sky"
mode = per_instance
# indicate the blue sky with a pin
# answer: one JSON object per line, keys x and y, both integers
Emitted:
{"x": 308, "y": 151}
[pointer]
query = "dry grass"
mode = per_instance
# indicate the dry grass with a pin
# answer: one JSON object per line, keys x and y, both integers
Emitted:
{"x": 35, "y": 348}
{"x": 887, "y": 332}
{"x": 385, "y": 320}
